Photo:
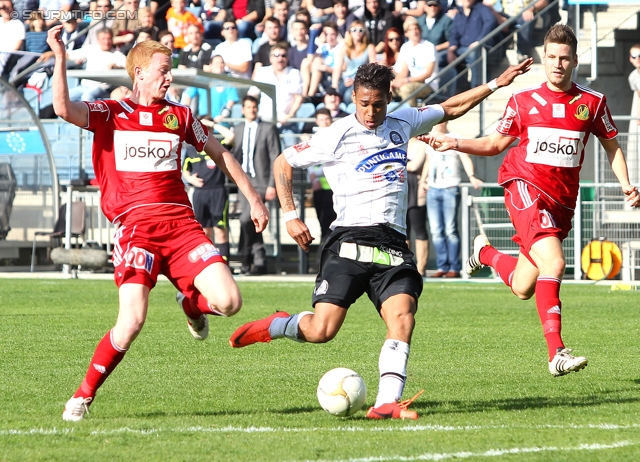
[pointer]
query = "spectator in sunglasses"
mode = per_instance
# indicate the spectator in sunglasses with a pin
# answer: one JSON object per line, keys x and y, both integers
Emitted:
{"x": 354, "y": 51}
{"x": 236, "y": 53}
{"x": 393, "y": 40}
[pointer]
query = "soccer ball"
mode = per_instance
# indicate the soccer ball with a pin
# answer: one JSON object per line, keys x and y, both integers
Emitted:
{"x": 342, "y": 392}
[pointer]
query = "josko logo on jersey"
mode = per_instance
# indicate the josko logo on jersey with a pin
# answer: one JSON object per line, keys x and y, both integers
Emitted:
{"x": 139, "y": 259}
{"x": 145, "y": 151}
{"x": 388, "y": 164}
{"x": 204, "y": 251}
{"x": 555, "y": 147}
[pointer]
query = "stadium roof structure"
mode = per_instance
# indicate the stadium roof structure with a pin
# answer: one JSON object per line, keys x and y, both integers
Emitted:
{"x": 184, "y": 78}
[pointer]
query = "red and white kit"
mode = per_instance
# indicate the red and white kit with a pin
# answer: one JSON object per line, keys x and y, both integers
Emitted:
{"x": 137, "y": 161}
{"x": 543, "y": 171}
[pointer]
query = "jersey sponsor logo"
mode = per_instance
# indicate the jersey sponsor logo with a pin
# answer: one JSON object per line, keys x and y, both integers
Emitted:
{"x": 582, "y": 112}
{"x": 546, "y": 220}
{"x": 388, "y": 164}
{"x": 505, "y": 123}
{"x": 575, "y": 98}
{"x": 362, "y": 151}
{"x": 146, "y": 118}
{"x": 143, "y": 151}
{"x": 122, "y": 115}
{"x": 171, "y": 122}
{"x": 204, "y": 252}
{"x": 301, "y": 146}
{"x": 198, "y": 131}
{"x": 139, "y": 258}
{"x": 554, "y": 147}
{"x": 558, "y": 111}
{"x": 607, "y": 123}
{"x": 396, "y": 138}
{"x": 163, "y": 110}
{"x": 98, "y": 107}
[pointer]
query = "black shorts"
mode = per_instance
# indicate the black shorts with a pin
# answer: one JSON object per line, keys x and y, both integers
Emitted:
{"x": 211, "y": 207}
{"x": 386, "y": 267}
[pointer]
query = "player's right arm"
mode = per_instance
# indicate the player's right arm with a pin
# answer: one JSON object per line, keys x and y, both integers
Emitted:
{"x": 487, "y": 146}
{"x": 296, "y": 228}
{"x": 75, "y": 113}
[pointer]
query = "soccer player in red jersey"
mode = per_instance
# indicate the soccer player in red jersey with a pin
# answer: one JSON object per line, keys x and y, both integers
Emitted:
{"x": 136, "y": 156}
{"x": 541, "y": 180}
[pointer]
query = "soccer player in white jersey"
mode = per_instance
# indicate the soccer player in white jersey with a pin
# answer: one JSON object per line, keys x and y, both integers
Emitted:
{"x": 541, "y": 181}
{"x": 364, "y": 158}
{"x": 136, "y": 156}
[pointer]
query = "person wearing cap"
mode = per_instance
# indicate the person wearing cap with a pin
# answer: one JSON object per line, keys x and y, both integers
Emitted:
{"x": 415, "y": 66}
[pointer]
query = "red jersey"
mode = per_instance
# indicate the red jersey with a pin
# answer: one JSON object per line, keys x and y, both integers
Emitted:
{"x": 136, "y": 158}
{"x": 553, "y": 129}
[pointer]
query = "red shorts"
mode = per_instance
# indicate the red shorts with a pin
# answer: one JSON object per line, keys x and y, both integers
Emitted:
{"x": 534, "y": 215}
{"x": 178, "y": 249}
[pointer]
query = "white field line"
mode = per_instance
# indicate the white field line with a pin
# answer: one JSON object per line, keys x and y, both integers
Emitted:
{"x": 338, "y": 429}
{"x": 491, "y": 453}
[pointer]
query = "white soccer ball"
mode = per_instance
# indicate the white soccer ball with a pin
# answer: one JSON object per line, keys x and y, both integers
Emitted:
{"x": 342, "y": 392}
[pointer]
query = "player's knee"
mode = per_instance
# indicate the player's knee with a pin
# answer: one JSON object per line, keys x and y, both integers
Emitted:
{"x": 227, "y": 303}
{"x": 522, "y": 295}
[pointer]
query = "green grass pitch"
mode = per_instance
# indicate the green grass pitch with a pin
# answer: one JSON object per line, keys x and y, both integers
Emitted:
{"x": 477, "y": 351}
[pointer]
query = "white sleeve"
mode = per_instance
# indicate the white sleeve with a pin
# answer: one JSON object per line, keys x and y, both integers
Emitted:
{"x": 318, "y": 150}
{"x": 421, "y": 119}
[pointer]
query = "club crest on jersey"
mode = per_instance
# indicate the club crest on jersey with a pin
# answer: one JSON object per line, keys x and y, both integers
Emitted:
{"x": 582, "y": 112}
{"x": 171, "y": 121}
{"x": 98, "y": 107}
{"x": 575, "y": 98}
{"x": 204, "y": 252}
{"x": 388, "y": 164}
{"x": 146, "y": 118}
{"x": 163, "y": 110}
{"x": 139, "y": 258}
{"x": 396, "y": 138}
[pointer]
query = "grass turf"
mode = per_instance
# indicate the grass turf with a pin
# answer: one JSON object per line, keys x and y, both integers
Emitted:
{"x": 477, "y": 351}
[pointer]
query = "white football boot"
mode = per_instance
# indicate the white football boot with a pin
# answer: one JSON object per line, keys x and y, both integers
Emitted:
{"x": 199, "y": 328}
{"x": 564, "y": 362}
{"x": 473, "y": 262}
{"x": 76, "y": 409}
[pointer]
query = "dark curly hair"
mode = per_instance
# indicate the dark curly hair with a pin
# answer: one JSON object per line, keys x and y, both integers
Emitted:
{"x": 374, "y": 76}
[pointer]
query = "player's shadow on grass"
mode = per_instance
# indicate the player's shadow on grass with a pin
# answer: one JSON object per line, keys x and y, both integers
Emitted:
{"x": 519, "y": 404}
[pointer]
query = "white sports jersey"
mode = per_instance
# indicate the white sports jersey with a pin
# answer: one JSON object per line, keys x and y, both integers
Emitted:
{"x": 366, "y": 169}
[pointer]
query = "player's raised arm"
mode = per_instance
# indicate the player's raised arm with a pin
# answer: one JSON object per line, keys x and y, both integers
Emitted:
{"x": 459, "y": 105}
{"x": 75, "y": 113}
{"x": 230, "y": 167}
{"x": 283, "y": 173}
{"x": 487, "y": 146}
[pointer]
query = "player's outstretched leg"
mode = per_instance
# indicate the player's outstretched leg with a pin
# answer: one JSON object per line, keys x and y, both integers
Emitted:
{"x": 198, "y": 325}
{"x": 278, "y": 325}
{"x": 484, "y": 254}
{"x": 105, "y": 359}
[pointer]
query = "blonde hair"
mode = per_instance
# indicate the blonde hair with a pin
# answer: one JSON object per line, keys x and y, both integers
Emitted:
{"x": 142, "y": 54}
{"x": 348, "y": 39}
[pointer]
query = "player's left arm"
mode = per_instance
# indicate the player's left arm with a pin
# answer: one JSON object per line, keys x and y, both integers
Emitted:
{"x": 230, "y": 167}
{"x": 460, "y": 104}
{"x": 619, "y": 167}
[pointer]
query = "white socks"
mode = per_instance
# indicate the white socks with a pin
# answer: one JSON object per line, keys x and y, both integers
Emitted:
{"x": 393, "y": 371}
{"x": 287, "y": 327}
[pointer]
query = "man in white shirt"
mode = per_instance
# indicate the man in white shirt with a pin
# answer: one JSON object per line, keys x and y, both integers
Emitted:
{"x": 236, "y": 53}
{"x": 12, "y": 34}
{"x": 288, "y": 85}
{"x": 365, "y": 158}
{"x": 101, "y": 57}
{"x": 415, "y": 65}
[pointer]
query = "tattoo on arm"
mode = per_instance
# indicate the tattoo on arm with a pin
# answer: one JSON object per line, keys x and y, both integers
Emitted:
{"x": 285, "y": 192}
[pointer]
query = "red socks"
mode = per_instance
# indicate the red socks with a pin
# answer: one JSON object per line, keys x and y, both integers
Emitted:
{"x": 549, "y": 310}
{"x": 504, "y": 264}
{"x": 105, "y": 359}
{"x": 197, "y": 305}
